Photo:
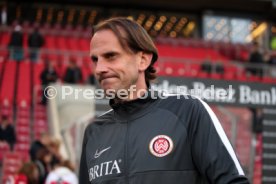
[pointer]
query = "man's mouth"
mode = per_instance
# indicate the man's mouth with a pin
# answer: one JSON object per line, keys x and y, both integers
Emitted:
{"x": 106, "y": 77}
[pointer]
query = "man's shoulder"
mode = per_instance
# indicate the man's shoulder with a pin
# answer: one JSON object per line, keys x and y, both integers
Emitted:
{"x": 179, "y": 99}
{"x": 177, "y": 103}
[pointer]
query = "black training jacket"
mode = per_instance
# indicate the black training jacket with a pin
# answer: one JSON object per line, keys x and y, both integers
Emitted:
{"x": 158, "y": 141}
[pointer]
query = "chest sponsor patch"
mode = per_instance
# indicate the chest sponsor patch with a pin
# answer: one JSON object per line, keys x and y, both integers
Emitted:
{"x": 161, "y": 145}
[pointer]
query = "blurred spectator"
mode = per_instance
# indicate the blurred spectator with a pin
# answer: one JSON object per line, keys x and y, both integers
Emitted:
{"x": 7, "y": 134}
{"x": 219, "y": 68}
{"x": 267, "y": 61}
{"x": 44, "y": 140}
{"x": 273, "y": 60}
{"x": 27, "y": 173}
{"x": 206, "y": 67}
{"x": 73, "y": 73}
{"x": 54, "y": 148}
{"x": 4, "y": 14}
{"x": 62, "y": 174}
{"x": 255, "y": 58}
{"x": 257, "y": 124}
{"x": 255, "y": 55}
{"x": 91, "y": 79}
{"x": 69, "y": 165}
{"x": 43, "y": 158}
{"x": 273, "y": 68}
{"x": 267, "y": 57}
{"x": 16, "y": 44}
{"x": 35, "y": 41}
{"x": 48, "y": 75}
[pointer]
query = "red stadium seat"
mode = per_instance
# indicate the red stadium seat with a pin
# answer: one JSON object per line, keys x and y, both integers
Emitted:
{"x": 49, "y": 42}
{"x": 23, "y": 139}
{"x": 230, "y": 72}
{"x": 253, "y": 78}
{"x": 37, "y": 68}
{"x": 241, "y": 76}
{"x": 5, "y": 38}
{"x": 189, "y": 53}
{"x": 22, "y": 121}
{"x": 169, "y": 68}
{"x": 1, "y": 70}
{"x": 24, "y": 85}
{"x": 23, "y": 130}
{"x": 267, "y": 79}
{"x": 84, "y": 44}
{"x": 23, "y": 149}
{"x": 193, "y": 69}
{"x": 216, "y": 76}
{"x": 60, "y": 69}
{"x": 12, "y": 162}
{"x": 203, "y": 74}
{"x": 4, "y": 148}
{"x": 73, "y": 43}
{"x": 61, "y": 43}
{"x": 23, "y": 113}
{"x": 7, "y": 92}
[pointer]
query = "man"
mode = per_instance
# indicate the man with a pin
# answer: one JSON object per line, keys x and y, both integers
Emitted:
{"x": 35, "y": 42}
{"x": 7, "y": 133}
{"x": 255, "y": 58}
{"x": 73, "y": 74}
{"x": 16, "y": 43}
{"x": 47, "y": 76}
{"x": 146, "y": 140}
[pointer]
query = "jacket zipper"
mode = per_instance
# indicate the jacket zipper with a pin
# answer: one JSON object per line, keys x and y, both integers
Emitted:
{"x": 126, "y": 155}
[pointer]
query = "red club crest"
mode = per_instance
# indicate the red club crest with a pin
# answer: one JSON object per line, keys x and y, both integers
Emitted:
{"x": 161, "y": 145}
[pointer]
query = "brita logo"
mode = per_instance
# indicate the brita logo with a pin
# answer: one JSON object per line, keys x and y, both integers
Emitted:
{"x": 104, "y": 169}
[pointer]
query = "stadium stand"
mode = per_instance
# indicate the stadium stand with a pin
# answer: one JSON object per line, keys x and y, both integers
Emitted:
{"x": 194, "y": 51}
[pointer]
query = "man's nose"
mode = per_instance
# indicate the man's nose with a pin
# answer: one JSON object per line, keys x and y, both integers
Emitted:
{"x": 101, "y": 67}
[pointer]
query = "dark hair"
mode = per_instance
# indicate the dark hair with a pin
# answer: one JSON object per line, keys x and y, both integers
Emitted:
{"x": 28, "y": 170}
{"x": 133, "y": 37}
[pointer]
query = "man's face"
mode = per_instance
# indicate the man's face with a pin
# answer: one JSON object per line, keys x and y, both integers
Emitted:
{"x": 115, "y": 67}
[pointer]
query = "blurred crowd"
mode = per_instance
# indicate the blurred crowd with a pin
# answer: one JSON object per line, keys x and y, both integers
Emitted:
{"x": 72, "y": 75}
{"x": 35, "y": 42}
{"x": 258, "y": 63}
{"x": 46, "y": 165}
{"x": 258, "y": 57}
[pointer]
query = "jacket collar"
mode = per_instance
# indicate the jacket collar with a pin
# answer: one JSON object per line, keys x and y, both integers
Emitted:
{"x": 126, "y": 110}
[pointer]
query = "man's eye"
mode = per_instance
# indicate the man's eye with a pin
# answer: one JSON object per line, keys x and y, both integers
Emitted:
{"x": 111, "y": 56}
{"x": 94, "y": 59}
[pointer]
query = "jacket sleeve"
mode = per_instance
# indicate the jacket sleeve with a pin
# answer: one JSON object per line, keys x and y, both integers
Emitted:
{"x": 212, "y": 152}
{"x": 83, "y": 171}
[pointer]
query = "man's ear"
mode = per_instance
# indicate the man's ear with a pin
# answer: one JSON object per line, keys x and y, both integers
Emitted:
{"x": 145, "y": 61}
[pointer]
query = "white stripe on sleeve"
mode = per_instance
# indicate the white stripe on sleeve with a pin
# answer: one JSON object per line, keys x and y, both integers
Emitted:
{"x": 223, "y": 136}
